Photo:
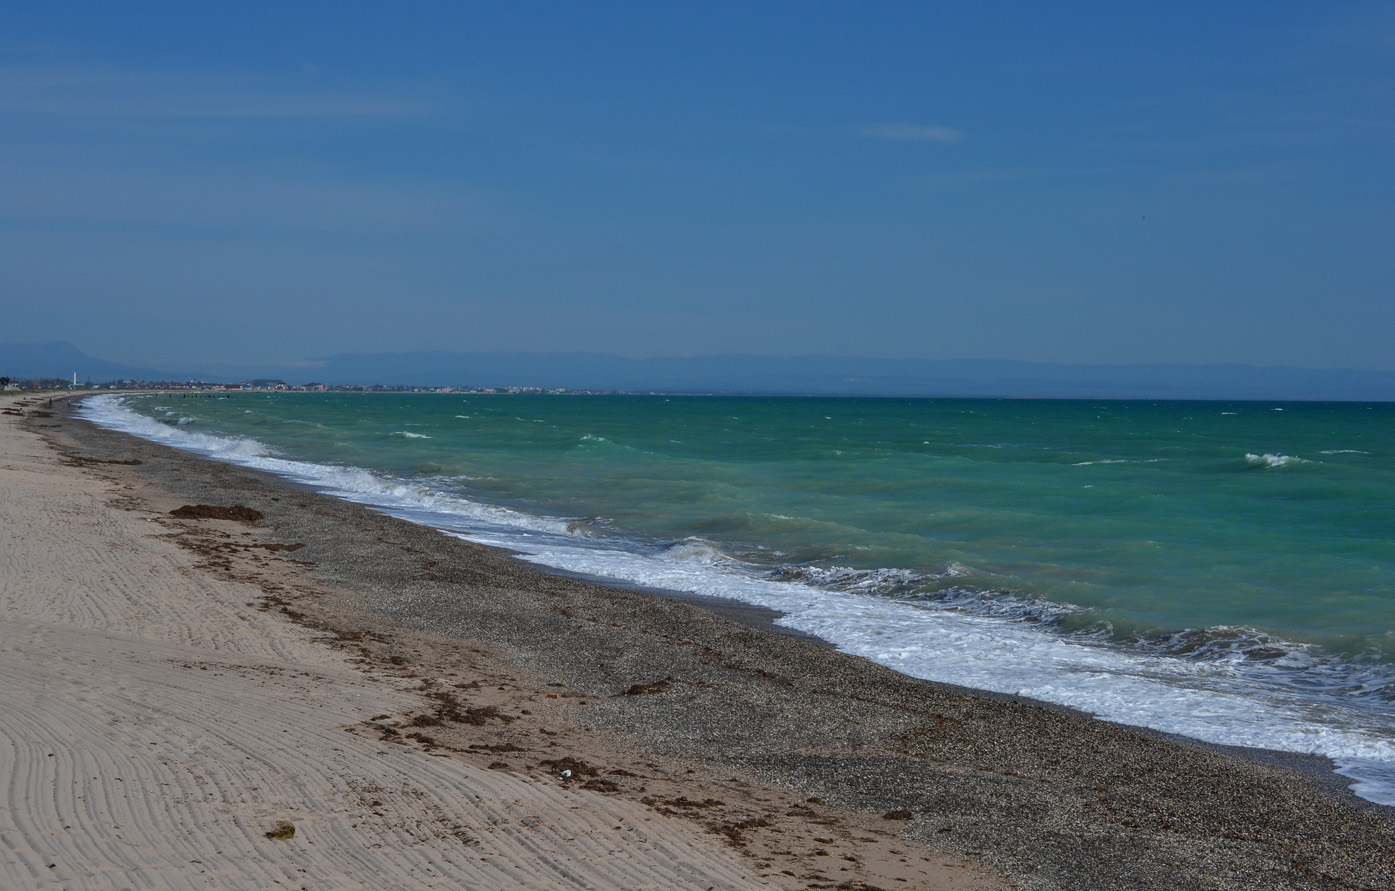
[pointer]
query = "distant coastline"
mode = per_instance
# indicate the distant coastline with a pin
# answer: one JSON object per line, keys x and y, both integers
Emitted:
{"x": 60, "y": 364}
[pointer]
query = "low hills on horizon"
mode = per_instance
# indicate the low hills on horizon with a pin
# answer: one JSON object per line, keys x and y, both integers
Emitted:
{"x": 749, "y": 374}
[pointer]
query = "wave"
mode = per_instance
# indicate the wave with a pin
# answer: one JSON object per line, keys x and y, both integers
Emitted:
{"x": 695, "y": 550}
{"x": 1119, "y": 461}
{"x": 1271, "y": 460}
{"x": 1280, "y": 661}
{"x": 990, "y": 641}
{"x": 1286, "y": 666}
{"x": 174, "y": 418}
{"x": 420, "y": 501}
{"x": 407, "y": 434}
{"x": 110, "y": 411}
{"x": 879, "y": 582}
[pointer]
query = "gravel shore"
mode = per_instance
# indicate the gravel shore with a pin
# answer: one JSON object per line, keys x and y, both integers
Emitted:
{"x": 1045, "y": 797}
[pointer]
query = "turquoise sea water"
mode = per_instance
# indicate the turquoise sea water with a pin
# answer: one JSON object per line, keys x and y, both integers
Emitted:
{"x": 1225, "y": 571}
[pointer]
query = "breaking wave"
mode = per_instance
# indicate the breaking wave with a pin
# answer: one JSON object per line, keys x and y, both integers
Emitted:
{"x": 1272, "y": 460}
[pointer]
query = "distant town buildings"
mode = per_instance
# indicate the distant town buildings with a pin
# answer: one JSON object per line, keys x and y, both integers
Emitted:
{"x": 270, "y": 386}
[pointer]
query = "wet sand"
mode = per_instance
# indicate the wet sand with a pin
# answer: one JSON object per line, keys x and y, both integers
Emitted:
{"x": 801, "y": 765}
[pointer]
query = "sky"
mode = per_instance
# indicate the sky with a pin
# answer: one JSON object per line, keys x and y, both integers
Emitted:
{"x": 1078, "y": 183}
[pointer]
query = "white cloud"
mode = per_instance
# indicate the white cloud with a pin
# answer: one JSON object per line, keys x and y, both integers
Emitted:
{"x": 912, "y": 133}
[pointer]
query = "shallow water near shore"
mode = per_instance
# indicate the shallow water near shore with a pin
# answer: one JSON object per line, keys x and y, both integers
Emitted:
{"x": 1221, "y": 571}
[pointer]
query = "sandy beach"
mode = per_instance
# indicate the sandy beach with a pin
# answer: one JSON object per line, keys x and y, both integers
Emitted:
{"x": 430, "y": 713}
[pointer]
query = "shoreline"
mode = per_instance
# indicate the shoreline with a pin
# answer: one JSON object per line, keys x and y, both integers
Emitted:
{"x": 1048, "y": 797}
{"x": 1321, "y": 768}
{"x": 170, "y": 708}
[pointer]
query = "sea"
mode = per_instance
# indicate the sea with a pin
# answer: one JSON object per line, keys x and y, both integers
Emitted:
{"x": 1221, "y": 571}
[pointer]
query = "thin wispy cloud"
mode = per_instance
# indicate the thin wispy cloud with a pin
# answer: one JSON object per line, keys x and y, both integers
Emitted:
{"x": 912, "y": 133}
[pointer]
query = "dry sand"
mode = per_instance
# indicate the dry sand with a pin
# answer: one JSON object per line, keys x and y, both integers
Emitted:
{"x": 410, "y": 701}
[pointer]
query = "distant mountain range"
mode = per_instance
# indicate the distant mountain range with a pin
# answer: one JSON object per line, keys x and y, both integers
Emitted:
{"x": 61, "y": 359}
{"x": 793, "y": 375}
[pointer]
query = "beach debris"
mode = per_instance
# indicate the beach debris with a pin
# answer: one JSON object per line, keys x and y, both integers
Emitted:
{"x": 569, "y": 767}
{"x": 284, "y": 829}
{"x": 601, "y": 785}
{"x": 732, "y": 832}
{"x": 898, "y": 815}
{"x": 82, "y": 460}
{"x": 650, "y": 688}
{"x": 672, "y": 807}
{"x": 240, "y": 513}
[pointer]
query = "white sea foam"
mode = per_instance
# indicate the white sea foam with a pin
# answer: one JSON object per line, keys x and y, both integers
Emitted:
{"x": 694, "y": 550}
{"x": 417, "y": 501}
{"x": 1344, "y": 452}
{"x": 1207, "y": 699}
{"x": 1271, "y": 460}
{"x": 1120, "y": 461}
{"x": 407, "y": 434}
{"x": 110, "y": 411}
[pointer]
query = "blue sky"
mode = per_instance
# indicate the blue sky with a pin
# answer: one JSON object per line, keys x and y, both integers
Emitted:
{"x": 1096, "y": 183}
